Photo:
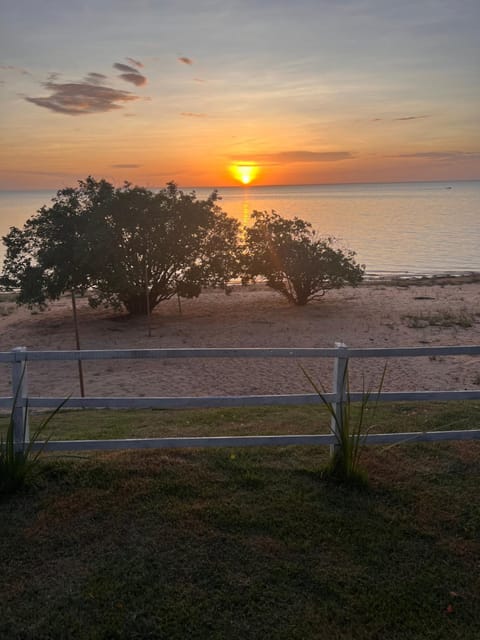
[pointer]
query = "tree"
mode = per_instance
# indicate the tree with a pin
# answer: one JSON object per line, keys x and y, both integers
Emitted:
{"x": 294, "y": 260}
{"x": 58, "y": 249}
{"x": 125, "y": 245}
{"x": 158, "y": 245}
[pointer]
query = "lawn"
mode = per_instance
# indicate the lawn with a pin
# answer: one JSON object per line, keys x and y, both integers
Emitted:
{"x": 245, "y": 543}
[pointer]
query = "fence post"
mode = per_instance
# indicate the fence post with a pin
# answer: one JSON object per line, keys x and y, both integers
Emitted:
{"x": 21, "y": 431}
{"x": 339, "y": 383}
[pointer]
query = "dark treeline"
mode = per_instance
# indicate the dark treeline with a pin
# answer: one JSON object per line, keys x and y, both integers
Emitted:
{"x": 131, "y": 248}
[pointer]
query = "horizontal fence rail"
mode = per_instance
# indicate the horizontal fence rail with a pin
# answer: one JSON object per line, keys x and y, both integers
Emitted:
{"x": 244, "y": 352}
{"x": 20, "y": 402}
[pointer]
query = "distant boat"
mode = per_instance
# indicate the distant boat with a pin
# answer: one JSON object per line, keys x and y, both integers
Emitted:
{"x": 448, "y": 187}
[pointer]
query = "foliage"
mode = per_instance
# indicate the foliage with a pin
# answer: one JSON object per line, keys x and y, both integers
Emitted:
{"x": 19, "y": 466}
{"x": 58, "y": 249}
{"x": 295, "y": 261}
{"x": 167, "y": 243}
{"x": 350, "y": 427}
{"x": 126, "y": 245}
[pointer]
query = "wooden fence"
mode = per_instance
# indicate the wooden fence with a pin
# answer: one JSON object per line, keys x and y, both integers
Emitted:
{"x": 20, "y": 401}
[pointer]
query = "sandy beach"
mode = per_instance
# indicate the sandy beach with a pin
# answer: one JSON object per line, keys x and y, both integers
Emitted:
{"x": 379, "y": 314}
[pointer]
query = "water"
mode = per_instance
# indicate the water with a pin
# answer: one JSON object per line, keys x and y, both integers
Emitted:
{"x": 422, "y": 228}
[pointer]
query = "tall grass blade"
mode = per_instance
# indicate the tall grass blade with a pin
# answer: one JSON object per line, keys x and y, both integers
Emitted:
{"x": 351, "y": 427}
{"x": 17, "y": 467}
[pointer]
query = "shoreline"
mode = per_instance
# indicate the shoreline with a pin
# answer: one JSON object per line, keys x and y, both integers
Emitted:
{"x": 464, "y": 277}
{"x": 399, "y": 280}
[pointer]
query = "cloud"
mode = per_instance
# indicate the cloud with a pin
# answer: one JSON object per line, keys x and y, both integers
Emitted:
{"x": 124, "y": 67}
{"x": 29, "y": 172}
{"x": 126, "y": 166}
{"x": 189, "y": 114}
{"x": 130, "y": 74}
{"x": 442, "y": 155}
{"x": 135, "y": 78}
{"x": 304, "y": 156}
{"x": 400, "y": 119}
{"x": 53, "y": 76}
{"x": 11, "y": 67}
{"x": 92, "y": 77}
{"x": 185, "y": 60}
{"x": 136, "y": 63}
{"x": 81, "y": 98}
{"x": 411, "y": 118}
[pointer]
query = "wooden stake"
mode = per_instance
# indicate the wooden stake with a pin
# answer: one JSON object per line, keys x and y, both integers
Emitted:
{"x": 77, "y": 340}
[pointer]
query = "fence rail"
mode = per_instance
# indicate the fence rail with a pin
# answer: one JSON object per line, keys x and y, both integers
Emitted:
{"x": 20, "y": 401}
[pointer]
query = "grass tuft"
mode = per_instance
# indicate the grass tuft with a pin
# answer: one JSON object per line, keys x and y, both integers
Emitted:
{"x": 19, "y": 466}
{"x": 350, "y": 426}
{"x": 443, "y": 319}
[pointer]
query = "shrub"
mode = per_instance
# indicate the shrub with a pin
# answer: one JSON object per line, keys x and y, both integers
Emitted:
{"x": 294, "y": 260}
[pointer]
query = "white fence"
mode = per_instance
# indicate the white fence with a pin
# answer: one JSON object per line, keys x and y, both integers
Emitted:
{"x": 20, "y": 402}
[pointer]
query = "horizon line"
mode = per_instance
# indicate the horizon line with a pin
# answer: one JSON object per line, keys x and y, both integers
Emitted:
{"x": 248, "y": 186}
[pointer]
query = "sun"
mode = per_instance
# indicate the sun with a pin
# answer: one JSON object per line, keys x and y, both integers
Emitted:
{"x": 244, "y": 172}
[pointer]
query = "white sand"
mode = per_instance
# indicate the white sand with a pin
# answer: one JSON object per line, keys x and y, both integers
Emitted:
{"x": 373, "y": 316}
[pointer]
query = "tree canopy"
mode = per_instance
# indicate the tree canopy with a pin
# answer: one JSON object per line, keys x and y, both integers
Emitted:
{"x": 59, "y": 248}
{"x": 133, "y": 248}
{"x": 166, "y": 243}
{"x": 295, "y": 260}
{"x": 126, "y": 245}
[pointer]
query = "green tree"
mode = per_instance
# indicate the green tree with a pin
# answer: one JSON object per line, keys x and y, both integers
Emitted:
{"x": 294, "y": 260}
{"x": 158, "y": 245}
{"x": 58, "y": 249}
{"x": 126, "y": 246}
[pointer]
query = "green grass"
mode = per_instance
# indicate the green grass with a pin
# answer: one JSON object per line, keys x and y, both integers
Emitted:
{"x": 247, "y": 544}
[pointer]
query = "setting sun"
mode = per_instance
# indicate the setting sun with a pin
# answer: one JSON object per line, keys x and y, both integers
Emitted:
{"x": 244, "y": 173}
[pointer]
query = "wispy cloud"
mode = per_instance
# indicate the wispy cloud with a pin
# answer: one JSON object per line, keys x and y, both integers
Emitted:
{"x": 81, "y": 98}
{"x": 400, "y": 119}
{"x": 130, "y": 74}
{"x": 137, "y": 63}
{"x": 411, "y": 118}
{"x": 441, "y": 155}
{"x": 134, "y": 78}
{"x": 11, "y": 67}
{"x": 29, "y": 172}
{"x": 124, "y": 67}
{"x": 126, "y": 166}
{"x": 304, "y": 156}
{"x": 189, "y": 114}
{"x": 90, "y": 95}
{"x": 93, "y": 78}
{"x": 185, "y": 60}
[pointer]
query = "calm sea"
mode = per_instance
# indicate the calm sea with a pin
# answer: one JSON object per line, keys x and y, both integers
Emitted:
{"x": 395, "y": 229}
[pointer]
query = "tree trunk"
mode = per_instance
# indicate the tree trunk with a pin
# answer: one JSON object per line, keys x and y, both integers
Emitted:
{"x": 136, "y": 305}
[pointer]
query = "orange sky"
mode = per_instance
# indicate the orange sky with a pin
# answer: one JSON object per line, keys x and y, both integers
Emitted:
{"x": 318, "y": 92}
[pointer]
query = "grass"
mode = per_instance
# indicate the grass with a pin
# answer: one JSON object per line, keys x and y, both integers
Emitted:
{"x": 244, "y": 543}
{"x": 350, "y": 423}
{"x": 443, "y": 319}
{"x": 19, "y": 467}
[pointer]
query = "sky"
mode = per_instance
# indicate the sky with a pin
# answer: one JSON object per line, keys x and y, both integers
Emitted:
{"x": 306, "y": 92}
